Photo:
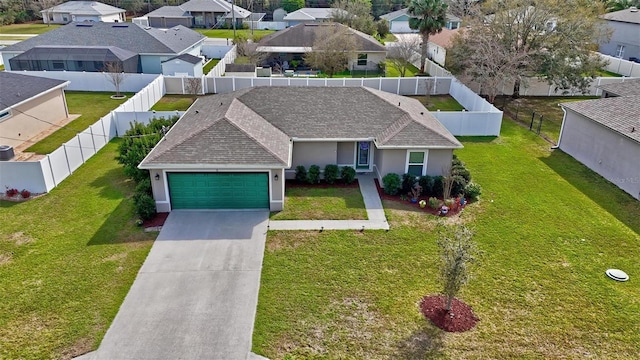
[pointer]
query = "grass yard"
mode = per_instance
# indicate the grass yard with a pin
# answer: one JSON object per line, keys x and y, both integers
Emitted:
{"x": 549, "y": 228}
{"x": 393, "y": 72}
{"x": 173, "y": 103}
{"x": 228, "y": 33}
{"x": 390, "y": 38}
{"x": 92, "y": 106}
{"x": 67, "y": 261}
{"x": 307, "y": 203}
{"x": 210, "y": 65}
{"x": 31, "y": 28}
{"x": 606, "y": 73}
{"x": 439, "y": 102}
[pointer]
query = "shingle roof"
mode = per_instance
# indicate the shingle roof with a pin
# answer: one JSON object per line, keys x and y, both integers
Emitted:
{"x": 169, "y": 11}
{"x": 304, "y": 35}
{"x": 254, "y": 126}
{"x": 625, "y": 88}
{"x": 130, "y": 37}
{"x": 186, "y": 57}
{"x": 626, "y": 15}
{"x": 311, "y": 14}
{"x": 215, "y": 6}
{"x": 15, "y": 88}
{"x": 444, "y": 37}
{"x": 396, "y": 14}
{"x": 620, "y": 114}
{"x": 84, "y": 8}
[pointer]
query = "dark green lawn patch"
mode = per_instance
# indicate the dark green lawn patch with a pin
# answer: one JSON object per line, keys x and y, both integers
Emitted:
{"x": 316, "y": 203}
{"x": 173, "y": 103}
{"x": 67, "y": 260}
{"x": 549, "y": 228}
{"x": 31, "y": 28}
{"x": 439, "y": 102}
{"x": 91, "y": 105}
{"x": 210, "y": 65}
{"x": 393, "y": 72}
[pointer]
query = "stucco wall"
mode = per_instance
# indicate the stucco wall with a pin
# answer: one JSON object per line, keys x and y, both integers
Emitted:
{"x": 372, "y": 61}
{"x": 438, "y": 160}
{"x": 177, "y": 66}
{"x": 606, "y": 152}
{"x": 623, "y": 34}
{"x": 390, "y": 161}
{"x": 158, "y": 22}
{"x": 152, "y": 64}
{"x": 346, "y": 153}
{"x": 314, "y": 153}
{"x": 22, "y": 125}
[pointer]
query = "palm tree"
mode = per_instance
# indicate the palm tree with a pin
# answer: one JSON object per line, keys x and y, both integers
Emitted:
{"x": 429, "y": 17}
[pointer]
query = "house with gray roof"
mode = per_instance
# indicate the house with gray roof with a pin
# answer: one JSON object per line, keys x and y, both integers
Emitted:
{"x": 77, "y": 11}
{"x": 292, "y": 43}
{"x": 309, "y": 15}
{"x": 625, "y": 36}
{"x": 88, "y": 46}
{"x": 399, "y": 21}
{"x": 29, "y": 105}
{"x": 199, "y": 13}
{"x": 235, "y": 150}
{"x": 604, "y": 134}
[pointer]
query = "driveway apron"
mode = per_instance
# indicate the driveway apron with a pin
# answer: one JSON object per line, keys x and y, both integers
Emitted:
{"x": 195, "y": 297}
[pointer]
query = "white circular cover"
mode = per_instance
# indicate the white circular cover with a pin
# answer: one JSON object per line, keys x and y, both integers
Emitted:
{"x": 617, "y": 275}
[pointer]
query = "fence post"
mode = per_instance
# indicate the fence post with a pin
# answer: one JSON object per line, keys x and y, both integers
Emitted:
{"x": 540, "y": 124}
{"x": 93, "y": 141}
{"x": 66, "y": 157}
{"x": 53, "y": 177}
{"x": 533, "y": 116}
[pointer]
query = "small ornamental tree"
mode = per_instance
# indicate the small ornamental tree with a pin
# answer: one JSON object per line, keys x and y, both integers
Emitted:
{"x": 115, "y": 74}
{"x": 458, "y": 252}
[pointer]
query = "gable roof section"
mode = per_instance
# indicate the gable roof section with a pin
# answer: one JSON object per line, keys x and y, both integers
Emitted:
{"x": 186, "y": 57}
{"x": 84, "y": 8}
{"x": 619, "y": 114}
{"x": 311, "y": 14}
{"x": 129, "y": 37}
{"x": 304, "y": 35}
{"x": 402, "y": 12}
{"x": 444, "y": 37}
{"x": 170, "y": 11}
{"x": 16, "y": 88}
{"x": 626, "y": 15}
{"x": 625, "y": 88}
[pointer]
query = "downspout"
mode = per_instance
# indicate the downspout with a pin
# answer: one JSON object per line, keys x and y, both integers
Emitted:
{"x": 564, "y": 117}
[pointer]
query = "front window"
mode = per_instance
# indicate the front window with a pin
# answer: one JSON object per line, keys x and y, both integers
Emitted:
{"x": 416, "y": 163}
{"x": 620, "y": 51}
{"x": 58, "y": 65}
{"x": 5, "y": 115}
{"x": 362, "y": 59}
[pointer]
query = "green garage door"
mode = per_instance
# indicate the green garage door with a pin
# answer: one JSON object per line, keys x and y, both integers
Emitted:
{"x": 219, "y": 190}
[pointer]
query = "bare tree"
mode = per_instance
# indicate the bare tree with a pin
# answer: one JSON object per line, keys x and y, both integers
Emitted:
{"x": 40, "y": 5}
{"x": 354, "y": 14}
{"x": 458, "y": 251}
{"x": 115, "y": 74}
{"x": 404, "y": 53}
{"x": 447, "y": 182}
{"x": 193, "y": 85}
{"x": 333, "y": 47}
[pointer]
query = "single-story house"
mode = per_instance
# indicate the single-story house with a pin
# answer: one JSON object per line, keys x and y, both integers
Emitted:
{"x": 625, "y": 38}
{"x": 399, "y": 21}
{"x": 200, "y": 13}
{"x": 183, "y": 65}
{"x": 292, "y": 43}
{"x": 29, "y": 105}
{"x": 604, "y": 134}
{"x": 309, "y": 15}
{"x": 169, "y": 16}
{"x": 235, "y": 150}
{"x": 77, "y": 11}
{"x": 439, "y": 43}
{"x": 88, "y": 46}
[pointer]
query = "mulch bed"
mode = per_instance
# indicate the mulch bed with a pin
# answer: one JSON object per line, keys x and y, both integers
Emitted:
{"x": 455, "y": 209}
{"x": 321, "y": 185}
{"x": 433, "y": 308}
{"x": 158, "y": 220}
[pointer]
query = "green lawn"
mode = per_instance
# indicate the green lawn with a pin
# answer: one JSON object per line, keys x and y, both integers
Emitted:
{"x": 67, "y": 261}
{"x": 228, "y": 33}
{"x": 390, "y": 38}
{"x": 439, "y": 102}
{"x": 173, "y": 103}
{"x": 306, "y": 203}
{"x": 210, "y": 65}
{"x": 606, "y": 73}
{"x": 91, "y": 105}
{"x": 549, "y": 228}
{"x": 32, "y": 28}
{"x": 393, "y": 72}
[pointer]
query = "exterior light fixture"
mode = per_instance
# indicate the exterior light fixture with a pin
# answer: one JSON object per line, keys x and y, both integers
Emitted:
{"x": 157, "y": 176}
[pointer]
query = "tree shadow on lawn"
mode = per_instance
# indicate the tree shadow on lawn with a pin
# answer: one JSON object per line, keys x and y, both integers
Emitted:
{"x": 477, "y": 139}
{"x": 119, "y": 227}
{"x": 613, "y": 199}
{"x": 425, "y": 342}
{"x": 113, "y": 184}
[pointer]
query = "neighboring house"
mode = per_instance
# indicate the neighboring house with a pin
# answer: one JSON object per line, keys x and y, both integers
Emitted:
{"x": 309, "y": 15}
{"x": 183, "y": 65}
{"x": 399, "y": 21}
{"x": 604, "y": 134}
{"x": 235, "y": 150}
{"x": 438, "y": 45}
{"x": 88, "y": 46}
{"x": 625, "y": 39}
{"x": 199, "y": 13}
{"x": 29, "y": 105}
{"x": 77, "y": 11}
{"x": 292, "y": 43}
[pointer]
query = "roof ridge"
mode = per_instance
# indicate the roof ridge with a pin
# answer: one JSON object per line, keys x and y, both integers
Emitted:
{"x": 395, "y": 128}
{"x": 182, "y": 141}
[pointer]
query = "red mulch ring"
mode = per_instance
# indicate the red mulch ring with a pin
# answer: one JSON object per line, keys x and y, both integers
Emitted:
{"x": 455, "y": 208}
{"x": 433, "y": 308}
{"x": 158, "y": 220}
{"x": 321, "y": 185}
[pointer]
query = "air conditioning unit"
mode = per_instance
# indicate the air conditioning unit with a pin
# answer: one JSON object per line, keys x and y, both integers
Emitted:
{"x": 6, "y": 153}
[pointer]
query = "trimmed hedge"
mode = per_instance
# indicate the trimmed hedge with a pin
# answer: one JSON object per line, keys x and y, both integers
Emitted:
{"x": 331, "y": 173}
{"x": 301, "y": 174}
{"x": 348, "y": 174}
{"x": 313, "y": 175}
{"x": 392, "y": 184}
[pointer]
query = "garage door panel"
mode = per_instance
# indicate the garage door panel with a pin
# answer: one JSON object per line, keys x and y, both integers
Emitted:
{"x": 218, "y": 190}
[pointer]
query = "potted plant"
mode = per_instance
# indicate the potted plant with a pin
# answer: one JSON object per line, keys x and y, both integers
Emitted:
{"x": 415, "y": 192}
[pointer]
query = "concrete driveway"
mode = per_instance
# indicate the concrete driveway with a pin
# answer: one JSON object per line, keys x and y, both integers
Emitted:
{"x": 195, "y": 296}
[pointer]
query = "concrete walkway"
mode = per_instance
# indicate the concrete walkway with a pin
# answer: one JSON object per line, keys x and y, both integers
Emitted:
{"x": 195, "y": 297}
{"x": 375, "y": 214}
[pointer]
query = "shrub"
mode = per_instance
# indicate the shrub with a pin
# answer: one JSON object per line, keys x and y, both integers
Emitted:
{"x": 391, "y": 183}
{"x": 459, "y": 184}
{"x": 331, "y": 173}
{"x": 456, "y": 162}
{"x": 348, "y": 174}
{"x": 11, "y": 192}
{"x": 301, "y": 174}
{"x": 408, "y": 182}
{"x": 434, "y": 203}
{"x": 461, "y": 171}
{"x": 25, "y": 193}
{"x": 472, "y": 191}
{"x": 313, "y": 176}
{"x": 426, "y": 182}
{"x": 144, "y": 187}
{"x": 145, "y": 206}
{"x": 438, "y": 186}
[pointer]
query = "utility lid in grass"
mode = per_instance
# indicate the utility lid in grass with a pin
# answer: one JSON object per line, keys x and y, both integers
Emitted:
{"x": 617, "y": 275}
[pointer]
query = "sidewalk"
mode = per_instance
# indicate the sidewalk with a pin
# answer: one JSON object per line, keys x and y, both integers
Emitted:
{"x": 375, "y": 214}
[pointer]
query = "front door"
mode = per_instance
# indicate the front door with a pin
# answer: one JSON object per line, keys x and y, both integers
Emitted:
{"x": 362, "y": 157}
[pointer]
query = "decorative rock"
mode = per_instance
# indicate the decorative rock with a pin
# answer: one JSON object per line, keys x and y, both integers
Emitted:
{"x": 617, "y": 275}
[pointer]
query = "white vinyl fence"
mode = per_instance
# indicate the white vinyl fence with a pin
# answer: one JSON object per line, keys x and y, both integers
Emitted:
{"x": 213, "y": 51}
{"x": 621, "y": 66}
{"x": 95, "y": 81}
{"x": 220, "y": 67}
{"x": 266, "y": 25}
{"x": 43, "y": 175}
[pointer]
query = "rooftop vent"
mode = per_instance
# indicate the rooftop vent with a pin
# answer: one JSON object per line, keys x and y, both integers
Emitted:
{"x": 6, "y": 153}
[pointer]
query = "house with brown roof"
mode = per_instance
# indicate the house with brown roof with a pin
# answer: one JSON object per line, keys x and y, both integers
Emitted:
{"x": 604, "y": 134}
{"x": 235, "y": 150}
